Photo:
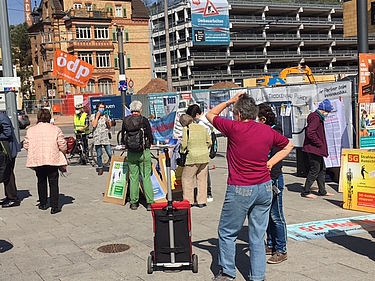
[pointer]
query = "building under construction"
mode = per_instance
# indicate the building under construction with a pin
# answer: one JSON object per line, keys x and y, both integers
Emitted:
{"x": 265, "y": 37}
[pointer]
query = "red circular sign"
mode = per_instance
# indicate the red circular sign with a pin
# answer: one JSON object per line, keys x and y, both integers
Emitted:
{"x": 131, "y": 83}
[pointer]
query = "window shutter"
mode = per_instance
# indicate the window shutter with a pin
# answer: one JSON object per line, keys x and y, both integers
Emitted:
{"x": 124, "y": 12}
{"x": 128, "y": 61}
{"x": 114, "y": 35}
{"x": 126, "y": 35}
{"x": 115, "y": 56}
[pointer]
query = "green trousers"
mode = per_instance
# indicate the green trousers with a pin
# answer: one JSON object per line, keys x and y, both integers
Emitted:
{"x": 140, "y": 164}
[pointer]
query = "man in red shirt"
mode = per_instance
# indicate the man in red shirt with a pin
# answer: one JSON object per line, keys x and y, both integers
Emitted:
{"x": 249, "y": 185}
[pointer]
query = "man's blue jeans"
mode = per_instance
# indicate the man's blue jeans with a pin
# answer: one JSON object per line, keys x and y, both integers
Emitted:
{"x": 99, "y": 153}
{"x": 276, "y": 231}
{"x": 240, "y": 201}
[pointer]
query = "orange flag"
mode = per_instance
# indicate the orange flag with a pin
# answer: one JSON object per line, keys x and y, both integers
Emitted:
{"x": 71, "y": 69}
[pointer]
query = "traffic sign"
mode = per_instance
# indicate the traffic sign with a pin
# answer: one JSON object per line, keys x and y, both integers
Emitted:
{"x": 9, "y": 82}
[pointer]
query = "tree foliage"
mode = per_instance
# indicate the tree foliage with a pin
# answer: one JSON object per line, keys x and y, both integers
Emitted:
{"x": 21, "y": 54}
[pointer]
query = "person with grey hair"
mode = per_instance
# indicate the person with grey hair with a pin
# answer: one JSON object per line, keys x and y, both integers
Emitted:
{"x": 249, "y": 186}
{"x": 135, "y": 106}
{"x": 195, "y": 141}
{"x": 137, "y": 137}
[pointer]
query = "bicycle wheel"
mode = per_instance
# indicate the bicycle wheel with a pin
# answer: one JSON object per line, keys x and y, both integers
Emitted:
{"x": 119, "y": 134}
{"x": 105, "y": 159}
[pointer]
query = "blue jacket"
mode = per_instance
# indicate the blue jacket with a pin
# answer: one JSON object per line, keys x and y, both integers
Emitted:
{"x": 7, "y": 134}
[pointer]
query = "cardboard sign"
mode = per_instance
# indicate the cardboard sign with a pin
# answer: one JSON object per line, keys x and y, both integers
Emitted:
{"x": 71, "y": 69}
{"x": 117, "y": 183}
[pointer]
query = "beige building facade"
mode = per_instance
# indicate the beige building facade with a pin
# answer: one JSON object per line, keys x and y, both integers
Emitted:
{"x": 350, "y": 18}
{"x": 89, "y": 31}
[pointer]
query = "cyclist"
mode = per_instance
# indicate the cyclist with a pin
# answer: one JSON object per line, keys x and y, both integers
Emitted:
{"x": 82, "y": 126}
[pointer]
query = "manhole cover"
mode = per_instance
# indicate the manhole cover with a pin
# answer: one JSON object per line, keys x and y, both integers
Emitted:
{"x": 113, "y": 248}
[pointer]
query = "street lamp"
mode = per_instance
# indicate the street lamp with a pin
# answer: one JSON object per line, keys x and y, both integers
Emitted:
{"x": 122, "y": 79}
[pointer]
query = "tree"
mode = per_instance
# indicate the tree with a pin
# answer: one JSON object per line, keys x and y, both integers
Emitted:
{"x": 21, "y": 54}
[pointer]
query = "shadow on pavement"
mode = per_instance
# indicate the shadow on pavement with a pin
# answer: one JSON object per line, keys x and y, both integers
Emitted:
{"x": 23, "y": 194}
{"x": 359, "y": 245}
{"x": 242, "y": 259}
{"x": 294, "y": 187}
{"x": 5, "y": 246}
{"x": 65, "y": 200}
{"x": 337, "y": 203}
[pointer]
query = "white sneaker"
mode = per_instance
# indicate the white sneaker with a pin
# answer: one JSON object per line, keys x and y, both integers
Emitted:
{"x": 210, "y": 199}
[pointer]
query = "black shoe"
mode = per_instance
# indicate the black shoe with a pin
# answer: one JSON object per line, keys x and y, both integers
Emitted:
{"x": 4, "y": 201}
{"x": 55, "y": 210}
{"x": 149, "y": 208}
{"x": 201, "y": 205}
{"x": 11, "y": 204}
{"x": 42, "y": 207}
{"x": 194, "y": 205}
{"x": 134, "y": 206}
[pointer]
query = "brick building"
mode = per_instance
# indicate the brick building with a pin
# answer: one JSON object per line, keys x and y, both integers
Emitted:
{"x": 88, "y": 30}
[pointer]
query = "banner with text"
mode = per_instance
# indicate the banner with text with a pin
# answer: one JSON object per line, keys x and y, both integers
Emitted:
{"x": 357, "y": 179}
{"x": 162, "y": 128}
{"x": 366, "y": 81}
{"x": 210, "y": 22}
{"x": 71, "y": 69}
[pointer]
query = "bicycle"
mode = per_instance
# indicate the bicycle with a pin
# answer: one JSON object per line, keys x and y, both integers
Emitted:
{"x": 79, "y": 150}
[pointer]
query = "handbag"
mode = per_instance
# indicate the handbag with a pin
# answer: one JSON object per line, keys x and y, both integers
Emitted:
{"x": 182, "y": 159}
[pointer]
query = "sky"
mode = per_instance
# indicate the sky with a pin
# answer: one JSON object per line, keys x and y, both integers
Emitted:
{"x": 16, "y": 14}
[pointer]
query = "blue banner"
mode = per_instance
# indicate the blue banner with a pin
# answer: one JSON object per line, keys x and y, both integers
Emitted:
{"x": 163, "y": 104}
{"x": 162, "y": 128}
{"x": 210, "y": 22}
{"x": 112, "y": 106}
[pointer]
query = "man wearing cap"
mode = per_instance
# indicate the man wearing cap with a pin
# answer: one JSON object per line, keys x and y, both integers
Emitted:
{"x": 315, "y": 145}
{"x": 81, "y": 125}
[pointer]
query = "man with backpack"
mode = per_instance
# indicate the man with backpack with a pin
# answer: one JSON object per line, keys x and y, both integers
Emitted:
{"x": 12, "y": 147}
{"x": 137, "y": 137}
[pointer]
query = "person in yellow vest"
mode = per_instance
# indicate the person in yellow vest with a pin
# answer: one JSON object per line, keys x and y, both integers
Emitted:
{"x": 82, "y": 125}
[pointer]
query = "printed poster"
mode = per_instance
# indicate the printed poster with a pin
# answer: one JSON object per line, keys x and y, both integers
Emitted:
{"x": 357, "y": 179}
{"x": 367, "y": 125}
{"x": 117, "y": 181}
{"x": 366, "y": 78}
{"x": 210, "y": 22}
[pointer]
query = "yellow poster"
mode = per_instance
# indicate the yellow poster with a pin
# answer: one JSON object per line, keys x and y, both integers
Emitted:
{"x": 357, "y": 179}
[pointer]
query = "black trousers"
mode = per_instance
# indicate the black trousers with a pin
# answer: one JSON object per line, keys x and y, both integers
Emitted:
{"x": 10, "y": 188}
{"x": 316, "y": 173}
{"x": 50, "y": 173}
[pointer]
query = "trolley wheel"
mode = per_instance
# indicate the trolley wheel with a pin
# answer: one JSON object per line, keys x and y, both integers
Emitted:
{"x": 195, "y": 264}
{"x": 150, "y": 265}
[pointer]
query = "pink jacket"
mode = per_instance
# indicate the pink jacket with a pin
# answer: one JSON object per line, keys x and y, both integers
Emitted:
{"x": 46, "y": 145}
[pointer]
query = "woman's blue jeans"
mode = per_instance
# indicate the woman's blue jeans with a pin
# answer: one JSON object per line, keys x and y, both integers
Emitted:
{"x": 240, "y": 202}
{"x": 276, "y": 231}
{"x": 99, "y": 153}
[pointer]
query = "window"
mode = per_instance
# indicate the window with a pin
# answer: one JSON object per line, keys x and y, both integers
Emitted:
{"x": 103, "y": 60}
{"x": 118, "y": 11}
{"x": 77, "y": 6}
{"x": 85, "y": 56}
{"x": 128, "y": 61}
{"x": 105, "y": 86}
{"x": 88, "y": 7}
{"x": 83, "y": 32}
{"x": 101, "y": 33}
{"x": 90, "y": 88}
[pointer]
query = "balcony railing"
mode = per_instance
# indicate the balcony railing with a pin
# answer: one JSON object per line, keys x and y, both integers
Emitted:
{"x": 95, "y": 13}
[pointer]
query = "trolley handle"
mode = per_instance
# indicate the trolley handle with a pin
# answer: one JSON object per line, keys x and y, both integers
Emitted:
{"x": 167, "y": 158}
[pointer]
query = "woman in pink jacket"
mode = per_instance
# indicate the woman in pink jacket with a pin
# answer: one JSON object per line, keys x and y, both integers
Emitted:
{"x": 46, "y": 153}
